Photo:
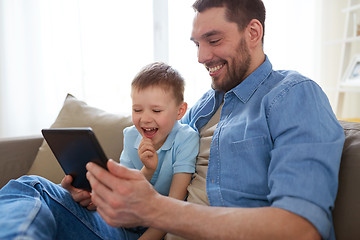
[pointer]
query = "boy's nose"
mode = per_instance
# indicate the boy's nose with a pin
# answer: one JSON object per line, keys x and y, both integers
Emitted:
{"x": 146, "y": 117}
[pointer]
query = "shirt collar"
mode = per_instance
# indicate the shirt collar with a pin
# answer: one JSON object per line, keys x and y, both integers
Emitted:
{"x": 246, "y": 88}
{"x": 168, "y": 142}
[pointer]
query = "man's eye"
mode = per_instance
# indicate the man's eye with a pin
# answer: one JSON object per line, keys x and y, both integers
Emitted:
{"x": 214, "y": 41}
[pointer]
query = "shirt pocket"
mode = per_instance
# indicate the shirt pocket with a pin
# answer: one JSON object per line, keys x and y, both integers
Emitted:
{"x": 248, "y": 145}
{"x": 248, "y": 170}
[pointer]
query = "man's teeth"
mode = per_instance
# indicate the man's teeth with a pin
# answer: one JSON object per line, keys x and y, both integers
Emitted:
{"x": 214, "y": 69}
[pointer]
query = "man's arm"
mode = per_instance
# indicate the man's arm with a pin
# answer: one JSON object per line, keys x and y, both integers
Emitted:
{"x": 124, "y": 198}
{"x": 202, "y": 222}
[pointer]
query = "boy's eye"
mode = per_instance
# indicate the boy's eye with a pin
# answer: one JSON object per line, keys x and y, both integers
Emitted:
{"x": 137, "y": 110}
{"x": 156, "y": 111}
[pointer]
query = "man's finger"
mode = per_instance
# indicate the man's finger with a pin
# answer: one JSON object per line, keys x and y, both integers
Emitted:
{"x": 123, "y": 172}
{"x": 100, "y": 192}
{"x": 66, "y": 182}
{"x": 86, "y": 202}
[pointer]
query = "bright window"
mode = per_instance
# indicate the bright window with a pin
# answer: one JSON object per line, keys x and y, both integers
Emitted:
{"x": 93, "y": 49}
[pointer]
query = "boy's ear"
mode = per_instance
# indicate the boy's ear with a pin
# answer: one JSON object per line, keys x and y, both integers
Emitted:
{"x": 182, "y": 110}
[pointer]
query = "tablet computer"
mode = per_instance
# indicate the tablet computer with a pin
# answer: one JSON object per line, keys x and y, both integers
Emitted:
{"x": 73, "y": 149}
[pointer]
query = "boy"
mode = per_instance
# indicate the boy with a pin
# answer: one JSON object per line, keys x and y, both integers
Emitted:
{"x": 163, "y": 149}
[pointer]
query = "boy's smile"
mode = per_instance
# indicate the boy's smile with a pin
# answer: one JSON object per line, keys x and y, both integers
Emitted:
{"x": 149, "y": 132}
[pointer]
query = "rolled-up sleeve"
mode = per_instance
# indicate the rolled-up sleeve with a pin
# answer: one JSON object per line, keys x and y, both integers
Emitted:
{"x": 304, "y": 166}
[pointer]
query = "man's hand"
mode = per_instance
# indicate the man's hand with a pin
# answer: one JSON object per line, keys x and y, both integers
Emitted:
{"x": 124, "y": 198}
{"x": 148, "y": 157}
{"x": 80, "y": 196}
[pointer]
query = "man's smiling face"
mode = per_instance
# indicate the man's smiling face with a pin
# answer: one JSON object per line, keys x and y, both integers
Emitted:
{"x": 221, "y": 48}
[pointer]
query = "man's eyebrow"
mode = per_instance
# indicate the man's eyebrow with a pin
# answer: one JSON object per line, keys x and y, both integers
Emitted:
{"x": 207, "y": 34}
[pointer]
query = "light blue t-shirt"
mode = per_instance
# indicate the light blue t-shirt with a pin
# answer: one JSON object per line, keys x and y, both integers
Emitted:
{"x": 176, "y": 155}
{"x": 277, "y": 143}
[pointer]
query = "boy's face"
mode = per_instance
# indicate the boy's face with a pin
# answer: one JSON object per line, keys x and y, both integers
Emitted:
{"x": 154, "y": 113}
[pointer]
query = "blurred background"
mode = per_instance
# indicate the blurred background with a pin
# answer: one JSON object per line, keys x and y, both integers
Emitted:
{"x": 93, "y": 48}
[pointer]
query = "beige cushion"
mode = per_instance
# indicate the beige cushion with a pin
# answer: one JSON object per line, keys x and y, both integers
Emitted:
{"x": 108, "y": 129}
{"x": 346, "y": 213}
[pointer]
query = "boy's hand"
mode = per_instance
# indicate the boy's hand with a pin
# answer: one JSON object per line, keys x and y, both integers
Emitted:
{"x": 80, "y": 196}
{"x": 148, "y": 157}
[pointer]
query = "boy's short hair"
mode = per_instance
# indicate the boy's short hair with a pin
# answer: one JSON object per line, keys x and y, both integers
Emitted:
{"x": 162, "y": 75}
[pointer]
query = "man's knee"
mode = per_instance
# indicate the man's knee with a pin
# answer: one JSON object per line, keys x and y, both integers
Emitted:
{"x": 24, "y": 184}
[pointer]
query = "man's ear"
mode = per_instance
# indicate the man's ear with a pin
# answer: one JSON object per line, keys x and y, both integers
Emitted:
{"x": 255, "y": 32}
{"x": 182, "y": 110}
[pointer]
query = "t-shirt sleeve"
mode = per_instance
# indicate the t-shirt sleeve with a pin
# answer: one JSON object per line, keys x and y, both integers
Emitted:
{"x": 186, "y": 150}
{"x": 125, "y": 159}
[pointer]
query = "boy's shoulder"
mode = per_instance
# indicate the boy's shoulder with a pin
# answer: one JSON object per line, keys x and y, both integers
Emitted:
{"x": 130, "y": 131}
{"x": 184, "y": 131}
{"x": 184, "y": 128}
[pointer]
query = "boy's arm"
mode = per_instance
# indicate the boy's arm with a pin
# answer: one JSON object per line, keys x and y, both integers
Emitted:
{"x": 179, "y": 184}
{"x": 178, "y": 190}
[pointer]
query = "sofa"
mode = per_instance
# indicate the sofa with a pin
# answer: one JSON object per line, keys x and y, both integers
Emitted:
{"x": 31, "y": 155}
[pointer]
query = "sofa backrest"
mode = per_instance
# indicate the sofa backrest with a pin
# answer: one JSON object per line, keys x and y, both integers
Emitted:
{"x": 346, "y": 214}
{"x": 108, "y": 128}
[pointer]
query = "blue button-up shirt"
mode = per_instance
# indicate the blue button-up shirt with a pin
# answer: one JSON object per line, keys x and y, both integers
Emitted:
{"x": 277, "y": 144}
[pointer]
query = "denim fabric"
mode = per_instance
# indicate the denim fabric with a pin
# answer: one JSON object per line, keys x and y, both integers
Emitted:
{"x": 34, "y": 208}
{"x": 277, "y": 144}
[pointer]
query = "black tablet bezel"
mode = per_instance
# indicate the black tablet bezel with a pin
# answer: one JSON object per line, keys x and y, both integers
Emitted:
{"x": 74, "y": 148}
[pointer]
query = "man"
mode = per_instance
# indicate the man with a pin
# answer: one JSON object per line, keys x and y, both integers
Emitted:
{"x": 275, "y": 145}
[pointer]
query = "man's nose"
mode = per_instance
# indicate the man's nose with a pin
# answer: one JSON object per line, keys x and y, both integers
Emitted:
{"x": 204, "y": 54}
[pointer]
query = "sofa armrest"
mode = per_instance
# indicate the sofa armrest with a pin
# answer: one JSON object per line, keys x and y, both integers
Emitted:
{"x": 17, "y": 156}
{"x": 347, "y": 205}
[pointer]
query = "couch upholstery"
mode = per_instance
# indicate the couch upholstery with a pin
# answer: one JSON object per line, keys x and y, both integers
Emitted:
{"x": 31, "y": 155}
{"x": 346, "y": 214}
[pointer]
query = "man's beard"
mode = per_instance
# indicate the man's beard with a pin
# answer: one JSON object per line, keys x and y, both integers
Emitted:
{"x": 240, "y": 65}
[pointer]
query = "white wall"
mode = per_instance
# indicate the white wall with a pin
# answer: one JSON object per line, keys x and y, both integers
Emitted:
{"x": 332, "y": 30}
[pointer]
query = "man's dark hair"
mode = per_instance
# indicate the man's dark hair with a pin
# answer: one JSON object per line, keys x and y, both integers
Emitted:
{"x": 239, "y": 11}
{"x": 160, "y": 74}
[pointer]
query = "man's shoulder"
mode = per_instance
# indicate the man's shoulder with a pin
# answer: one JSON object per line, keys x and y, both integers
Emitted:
{"x": 282, "y": 81}
{"x": 289, "y": 78}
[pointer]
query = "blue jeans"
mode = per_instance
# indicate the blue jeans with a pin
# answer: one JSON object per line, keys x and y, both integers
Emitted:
{"x": 35, "y": 208}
